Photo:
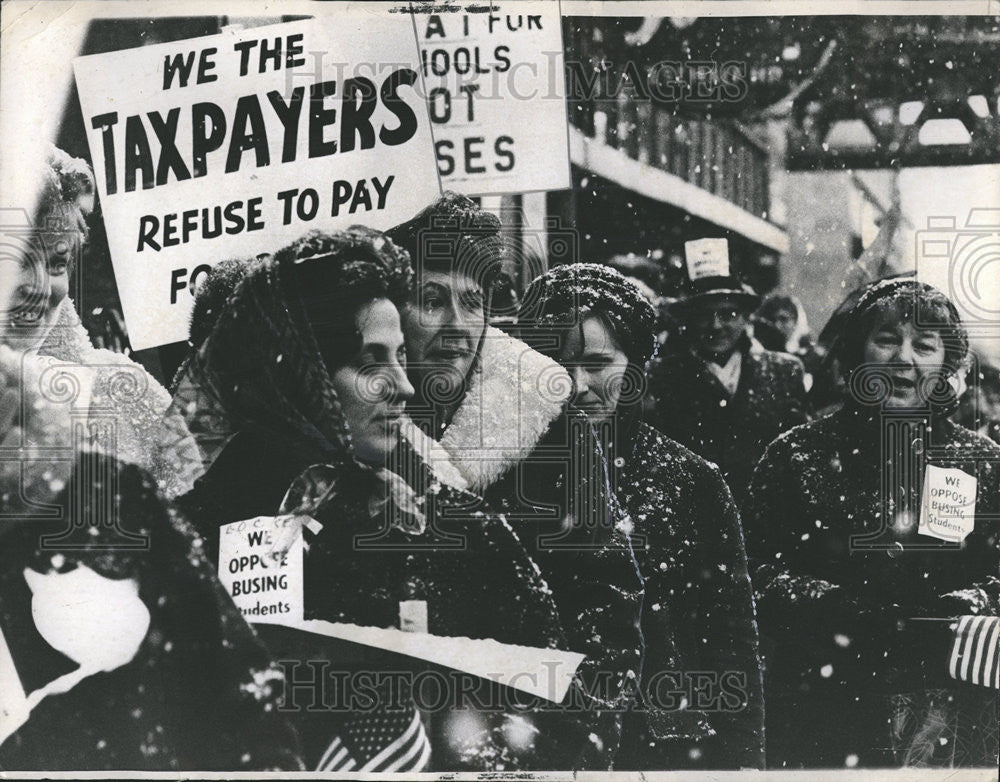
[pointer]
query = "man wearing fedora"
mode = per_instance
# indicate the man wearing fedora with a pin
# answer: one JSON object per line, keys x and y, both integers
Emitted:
{"x": 717, "y": 390}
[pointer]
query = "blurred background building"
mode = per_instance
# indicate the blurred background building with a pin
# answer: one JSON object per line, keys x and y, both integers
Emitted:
{"x": 818, "y": 146}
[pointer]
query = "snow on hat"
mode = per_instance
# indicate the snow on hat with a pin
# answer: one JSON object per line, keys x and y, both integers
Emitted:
{"x": 924, "y": 303}
{"x": 453, "y": 234}
{"x": 709, "y": 275}
{"x": 67, "y": 193}
{"x": 579, "y": 289}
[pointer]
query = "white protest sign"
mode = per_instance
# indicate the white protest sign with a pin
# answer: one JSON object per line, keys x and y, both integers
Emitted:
{"x": 545, "y": 673}
{"x": 948, "y": 508}
{"x": 266, "y": 590}
{"x": 707, "y": 258}
{"x": 497, "y": 97}
{"x": 14, "y": 707}
{"x": 233, "y": 145}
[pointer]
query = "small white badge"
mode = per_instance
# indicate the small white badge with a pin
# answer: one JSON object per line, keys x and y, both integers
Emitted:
{"x": 413, "y": 616}
{"x": 262, "y": 569}
{"x": 707, "y": 258}
{"x": 948, "y": 508}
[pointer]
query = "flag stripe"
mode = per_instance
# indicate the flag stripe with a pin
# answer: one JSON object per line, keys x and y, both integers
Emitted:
{"x": 334, "y": 746}
{"x": 979, "y": 650}
{"x": 425, "y": 757}
{"x": 390, "y": 750}
{"x": 990, "y": 663}
{"x": 418, "y": 746}
{"x": 347, "y": 765}
{"x": 956, "y": 649}
{"x": 337, "y": 760}
{"x": 970, "y": 640}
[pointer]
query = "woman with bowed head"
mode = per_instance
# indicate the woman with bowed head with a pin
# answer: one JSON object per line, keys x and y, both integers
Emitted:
{"x": 870, "y": 530}
{"x": 296, "y": 394}
{"x": 698, "y": 614}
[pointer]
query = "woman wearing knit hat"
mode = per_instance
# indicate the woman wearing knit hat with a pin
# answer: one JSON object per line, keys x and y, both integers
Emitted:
{"x": 854, "y": 549}
{"x": 501, "y": 412}
{"x": 698, "y": 611}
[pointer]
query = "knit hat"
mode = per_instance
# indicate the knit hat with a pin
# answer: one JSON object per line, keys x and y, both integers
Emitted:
{"x": 67, "y": 194}
{"x": 453, "y": 235}
{"x": 926, "y": 305}
{"x": 565, "y": 294}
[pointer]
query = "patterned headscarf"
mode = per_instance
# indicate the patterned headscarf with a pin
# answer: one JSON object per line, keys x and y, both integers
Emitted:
{"x": 260, "y": 369}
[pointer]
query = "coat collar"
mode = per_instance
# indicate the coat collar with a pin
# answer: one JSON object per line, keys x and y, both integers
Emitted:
{"x": 433, "y": 455}
{"x": 67, "y": 340}
{"x": 512, "y": 399}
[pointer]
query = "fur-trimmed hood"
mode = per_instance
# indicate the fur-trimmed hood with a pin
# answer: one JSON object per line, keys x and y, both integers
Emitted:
{"x": 513, "y": 397}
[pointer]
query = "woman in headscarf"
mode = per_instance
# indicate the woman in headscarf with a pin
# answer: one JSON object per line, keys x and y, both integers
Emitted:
{"x": 126, "y": 405}
{"x": 859, "y": 567}
{"x": 698, "y": 615}
{"x": 296, "y": 396}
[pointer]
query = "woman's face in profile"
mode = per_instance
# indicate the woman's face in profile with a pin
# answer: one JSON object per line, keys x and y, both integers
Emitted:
{"x": 373, "y": 388}
{"x": 912, "y": 357}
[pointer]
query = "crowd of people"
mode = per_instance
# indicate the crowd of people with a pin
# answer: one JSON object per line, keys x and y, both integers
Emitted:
{"x": 748, "y": 569}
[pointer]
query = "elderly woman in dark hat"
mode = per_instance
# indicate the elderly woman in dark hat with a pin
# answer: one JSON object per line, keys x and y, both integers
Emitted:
{"x": 698, "y": 615}
{"x": 858, "y": 565}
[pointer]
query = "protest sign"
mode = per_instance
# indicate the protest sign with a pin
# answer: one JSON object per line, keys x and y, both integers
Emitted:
{"x": 233, "y": 145}
{"x": 948, "y": 510}
{"x": 14, "y": 708}
{"x": 543, "y": 673}
{"x": 267, "y": 589}
{"x": 496, "y": 96}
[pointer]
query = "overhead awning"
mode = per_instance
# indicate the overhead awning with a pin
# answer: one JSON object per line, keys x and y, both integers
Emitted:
{"x": 610, "y": 163}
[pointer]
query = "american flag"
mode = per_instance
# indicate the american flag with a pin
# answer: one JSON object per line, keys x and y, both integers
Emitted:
{"x": 975, "y": 653}
{"x": 381, "y": 741}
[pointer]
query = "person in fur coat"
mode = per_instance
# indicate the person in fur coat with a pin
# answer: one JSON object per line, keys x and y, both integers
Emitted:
{"x": 126, "y": 407}
{"x": 296, "y": 394}
{"x": 500, "y": 410}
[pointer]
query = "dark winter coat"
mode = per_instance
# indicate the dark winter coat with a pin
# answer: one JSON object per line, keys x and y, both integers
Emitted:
{"x": 693, "y": 408}
{"x": 517, "y": 443}
{"x": 201, "y": 692}
{"x": 841, "y": 571}
{"x": 469, "y": 567}
{"x": 264, "y": 424}
{"x": 698, "y": 615}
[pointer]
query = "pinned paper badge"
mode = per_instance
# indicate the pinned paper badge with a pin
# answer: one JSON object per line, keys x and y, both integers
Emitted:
{"x": 948, "y": 509}
{"x": 707, "y": 258}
